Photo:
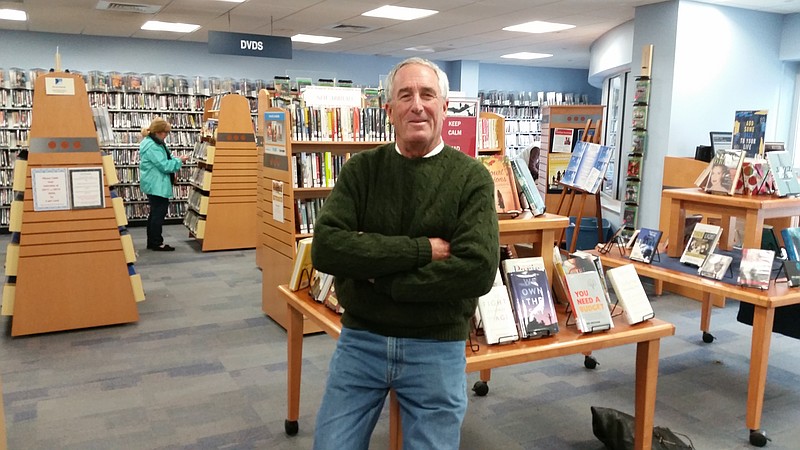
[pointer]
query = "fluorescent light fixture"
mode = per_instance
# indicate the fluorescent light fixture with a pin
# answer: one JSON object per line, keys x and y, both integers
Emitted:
{"x": 175, "y": 27}
{"x": 526, "y": 55}
{"x": 13, "y": 14}
{"x": 312, "y": 39}
{"x": 537, "y": 26}
{"x": 233, "y": 1}
{"x": 399, "y": 12}
{"x": 421, "y": 49}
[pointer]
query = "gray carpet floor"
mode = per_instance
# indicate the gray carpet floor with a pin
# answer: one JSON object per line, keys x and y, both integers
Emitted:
{"x": 205, "y": 368}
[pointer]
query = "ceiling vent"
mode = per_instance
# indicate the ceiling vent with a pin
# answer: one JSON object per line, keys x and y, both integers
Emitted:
{"x": 128, "y": 7}
{"x": 350, "y": 28}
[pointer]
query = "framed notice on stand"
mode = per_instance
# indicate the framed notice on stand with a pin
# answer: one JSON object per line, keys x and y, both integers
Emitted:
{"x": 50, "y": 189}
{"x": 86, "y": 187}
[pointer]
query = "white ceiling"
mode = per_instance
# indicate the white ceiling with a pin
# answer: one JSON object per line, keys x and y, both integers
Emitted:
{"x": 462, "y": 30}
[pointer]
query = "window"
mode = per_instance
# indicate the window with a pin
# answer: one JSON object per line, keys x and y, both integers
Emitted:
{"x": 614, "y": 101}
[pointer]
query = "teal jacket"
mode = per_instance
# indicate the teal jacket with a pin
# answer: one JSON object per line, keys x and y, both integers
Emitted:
{"x": 372, "y": 235}
{"x": 155, "y": 167}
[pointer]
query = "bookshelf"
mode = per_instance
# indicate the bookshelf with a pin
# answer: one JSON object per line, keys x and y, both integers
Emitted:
{"x": 16, "y": 101}
{"x": 86, "y": 254}
{"x": 222, "y": 203}
{"x": 284, "y": 203}
{"x": 491, "y": 134}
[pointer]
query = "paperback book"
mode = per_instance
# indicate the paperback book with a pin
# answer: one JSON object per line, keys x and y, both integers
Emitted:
{"x": 702, "y": 243}
{"x": 497, "y": 316}
{"x": 506, "y": 196}
{"x": 533, "y": 303}
{"x": 630, "y": 293}
{"x": 724, "y": 171}
{"x": 588, "y": 302}
{"x": 783, "y": 175}
{"x": 749, "y": 129}
{"x": 646, "y": 245}
{"x": 755, "y": 268}
{"x": 715, "y": 266}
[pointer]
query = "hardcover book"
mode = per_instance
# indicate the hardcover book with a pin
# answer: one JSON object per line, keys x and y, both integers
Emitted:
{"x": 522, "y": 264}
{"x": 646, "y": 245}
{"x": 749, "y": 129}
{"x": 715, "y": 266}
{"x": 497, "y": 316}
{"x": 638, "y": 142}
{"x": 639, "y": 117}
{"x": 527, "y": 186}
{"x": 302, "y": 269}
{"x": 702, "y": 243}
{"x": 630, "y": 293}
{"x": 533, "y": 303}
{"x": 588, "y": 302}
{"x": 783, "y": 175}
{"x": 755, "y": 268}
{"x": 506, "y": 196}
{"x": 792, "y": 269}
{"x": 754, "y": 178}
{"x": 791, "y": 241}
{"x": 632, "y": 189}
{"x": 724, "y": 170}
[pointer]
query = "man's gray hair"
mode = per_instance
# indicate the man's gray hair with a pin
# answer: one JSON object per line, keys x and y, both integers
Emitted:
{"x": 444, "y": 83}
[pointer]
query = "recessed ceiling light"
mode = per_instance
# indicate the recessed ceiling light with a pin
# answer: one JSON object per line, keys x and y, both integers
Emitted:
{"x": 175, "y": 27}
{"x": 312, "y": 39}
{"x": 526, "y": 55}
{"x": 399, "y": 12}
{"x": 13, "y": 14}
{"x": 537, "y": 26}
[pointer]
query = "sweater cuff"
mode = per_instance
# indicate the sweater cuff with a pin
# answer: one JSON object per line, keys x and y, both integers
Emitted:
{"x": 424, "y": 251}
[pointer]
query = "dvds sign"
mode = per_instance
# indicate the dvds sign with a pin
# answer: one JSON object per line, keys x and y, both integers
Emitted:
{"x": 225, "y": 43}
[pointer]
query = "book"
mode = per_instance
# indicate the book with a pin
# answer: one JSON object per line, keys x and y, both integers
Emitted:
{"x": 641, "y": 92}
{"x": 754, "y": 178}
{"x": 749, "y": 130}
{"x": 768, "y": 239}
{"x": 597, "y": 172}
{"x": 724, "y": 170}
{"x": 791, "y": 241}
{"x": 562, "y": 140}
{"x": 533, "y": 303}
{"x": 528, "y": 186}
{"x": 634, "y": 166}
{"x": 588, "y": 302}
{"x": 629, "y": 216}
{"x": 646, "y": 245}
{"x": 522, "y": 264}
{"x": 497, "y": 317}
{"x": 702, "y": 243}
{"x": 792, "y": 269}
{"x": 688, "y": 225}
{"x": 332, "y": 301}
{"x": 638, "y": 142}
{"x": 557, "y": 164}
{"x": 783, "y": 174}
{"x": 632, "y": 190}
{"x": 631, "y": 295}
{"x": 755, "y": 268}
{"x": 715, "y": 266}
{"x": 506, "y": 196}
{"x": 301, "y": 271}
{"x": 321, "y": 286}
{"x": 639, "y": 114}
{"x": 571, "y": 172}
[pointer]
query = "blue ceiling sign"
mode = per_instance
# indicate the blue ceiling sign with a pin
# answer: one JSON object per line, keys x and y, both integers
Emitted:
{"x": 224, "y": 43}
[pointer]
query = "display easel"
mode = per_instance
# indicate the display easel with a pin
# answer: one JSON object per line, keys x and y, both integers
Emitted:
{"x": 569, "y": 193}
{"x": 73, "y": 268}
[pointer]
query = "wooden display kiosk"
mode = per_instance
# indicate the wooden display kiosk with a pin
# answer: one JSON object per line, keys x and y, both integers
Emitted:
{"x": 222, "y": 208}
{"x": 70, "y": 260}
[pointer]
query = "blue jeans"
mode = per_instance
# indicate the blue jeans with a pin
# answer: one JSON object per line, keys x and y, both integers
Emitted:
{"x": 429, "y": 380}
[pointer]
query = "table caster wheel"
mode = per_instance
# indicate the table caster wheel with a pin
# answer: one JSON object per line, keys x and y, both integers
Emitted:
{"x": 291, "y": 427}
{"x": 480, "y": 388}
{"x": 590, "y": 362}
{"x": 758, "y": 438}
{"x": 708, "y": 337}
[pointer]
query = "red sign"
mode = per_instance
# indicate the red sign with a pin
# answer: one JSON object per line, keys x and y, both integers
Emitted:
{"x": 461, "y": 133}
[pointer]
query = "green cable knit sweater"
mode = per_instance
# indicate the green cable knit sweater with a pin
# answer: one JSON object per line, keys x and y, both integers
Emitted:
{"x": 372, "y": 235}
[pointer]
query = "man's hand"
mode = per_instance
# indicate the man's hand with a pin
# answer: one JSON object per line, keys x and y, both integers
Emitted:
{"x": 440, "y": 249}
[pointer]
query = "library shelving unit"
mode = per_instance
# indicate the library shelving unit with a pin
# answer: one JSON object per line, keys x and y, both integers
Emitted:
{"x": 491, "y": 134}
{"x": 563, "y": 116}
{"x": 16, "y": 100}
{"x": 69, "y": 264}
{"x": 283, "y": 205}
{"x": 522, "y": 117}
{"x": 222, "y": 204}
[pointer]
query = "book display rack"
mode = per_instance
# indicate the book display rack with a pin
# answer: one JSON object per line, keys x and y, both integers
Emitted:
{"x": 300, "y": 165}
{"x": 222, "y": 204}
{"x": 67, "y": 223}
{"x": 132, "y": 100}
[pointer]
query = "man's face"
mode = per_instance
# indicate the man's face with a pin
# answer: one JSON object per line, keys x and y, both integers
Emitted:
{"x": 417, "y": 109}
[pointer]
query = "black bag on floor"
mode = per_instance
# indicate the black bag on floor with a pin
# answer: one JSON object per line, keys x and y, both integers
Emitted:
{"x": 615, "y": 429}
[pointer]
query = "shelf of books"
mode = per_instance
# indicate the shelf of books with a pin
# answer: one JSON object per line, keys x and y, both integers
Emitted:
{"x": 491, "y": 134}
{"x": 132, "y": 100}
{"x": 67, "y": 223}
{"x": 305, "y": 146}
{"x": 562, "y": 127}
{"x": 222, "y": 202}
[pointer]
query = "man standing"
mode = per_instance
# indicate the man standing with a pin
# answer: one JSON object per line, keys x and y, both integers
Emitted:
{"x": 410, "y": 233}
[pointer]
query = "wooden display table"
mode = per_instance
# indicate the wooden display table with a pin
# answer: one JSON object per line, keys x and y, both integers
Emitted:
{"x": 567, "y": 341}
{"x": 764, "y": 302}
{"x": 540, "y": 231}
{"x": 752, "y": 208}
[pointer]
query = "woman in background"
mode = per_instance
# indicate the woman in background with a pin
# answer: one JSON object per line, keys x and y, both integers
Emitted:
{"x": 157, "y": 170}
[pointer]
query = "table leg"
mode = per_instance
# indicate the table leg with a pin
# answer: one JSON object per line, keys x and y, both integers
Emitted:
{"x": 705, "y": 315}
{"x": 753, "y": 225}
{"x": 294, "y": 346}
{"x": 659, "y": 287}
{"x": 395, "y": 427}
{"x": 725, "y": 239}
{"x": 544, "y": 248}
{"x": 646, "y": 380}
{"x": 759, "y": 357}
{"x": 486, "y": 375}
{"x": 677, "y": 221}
